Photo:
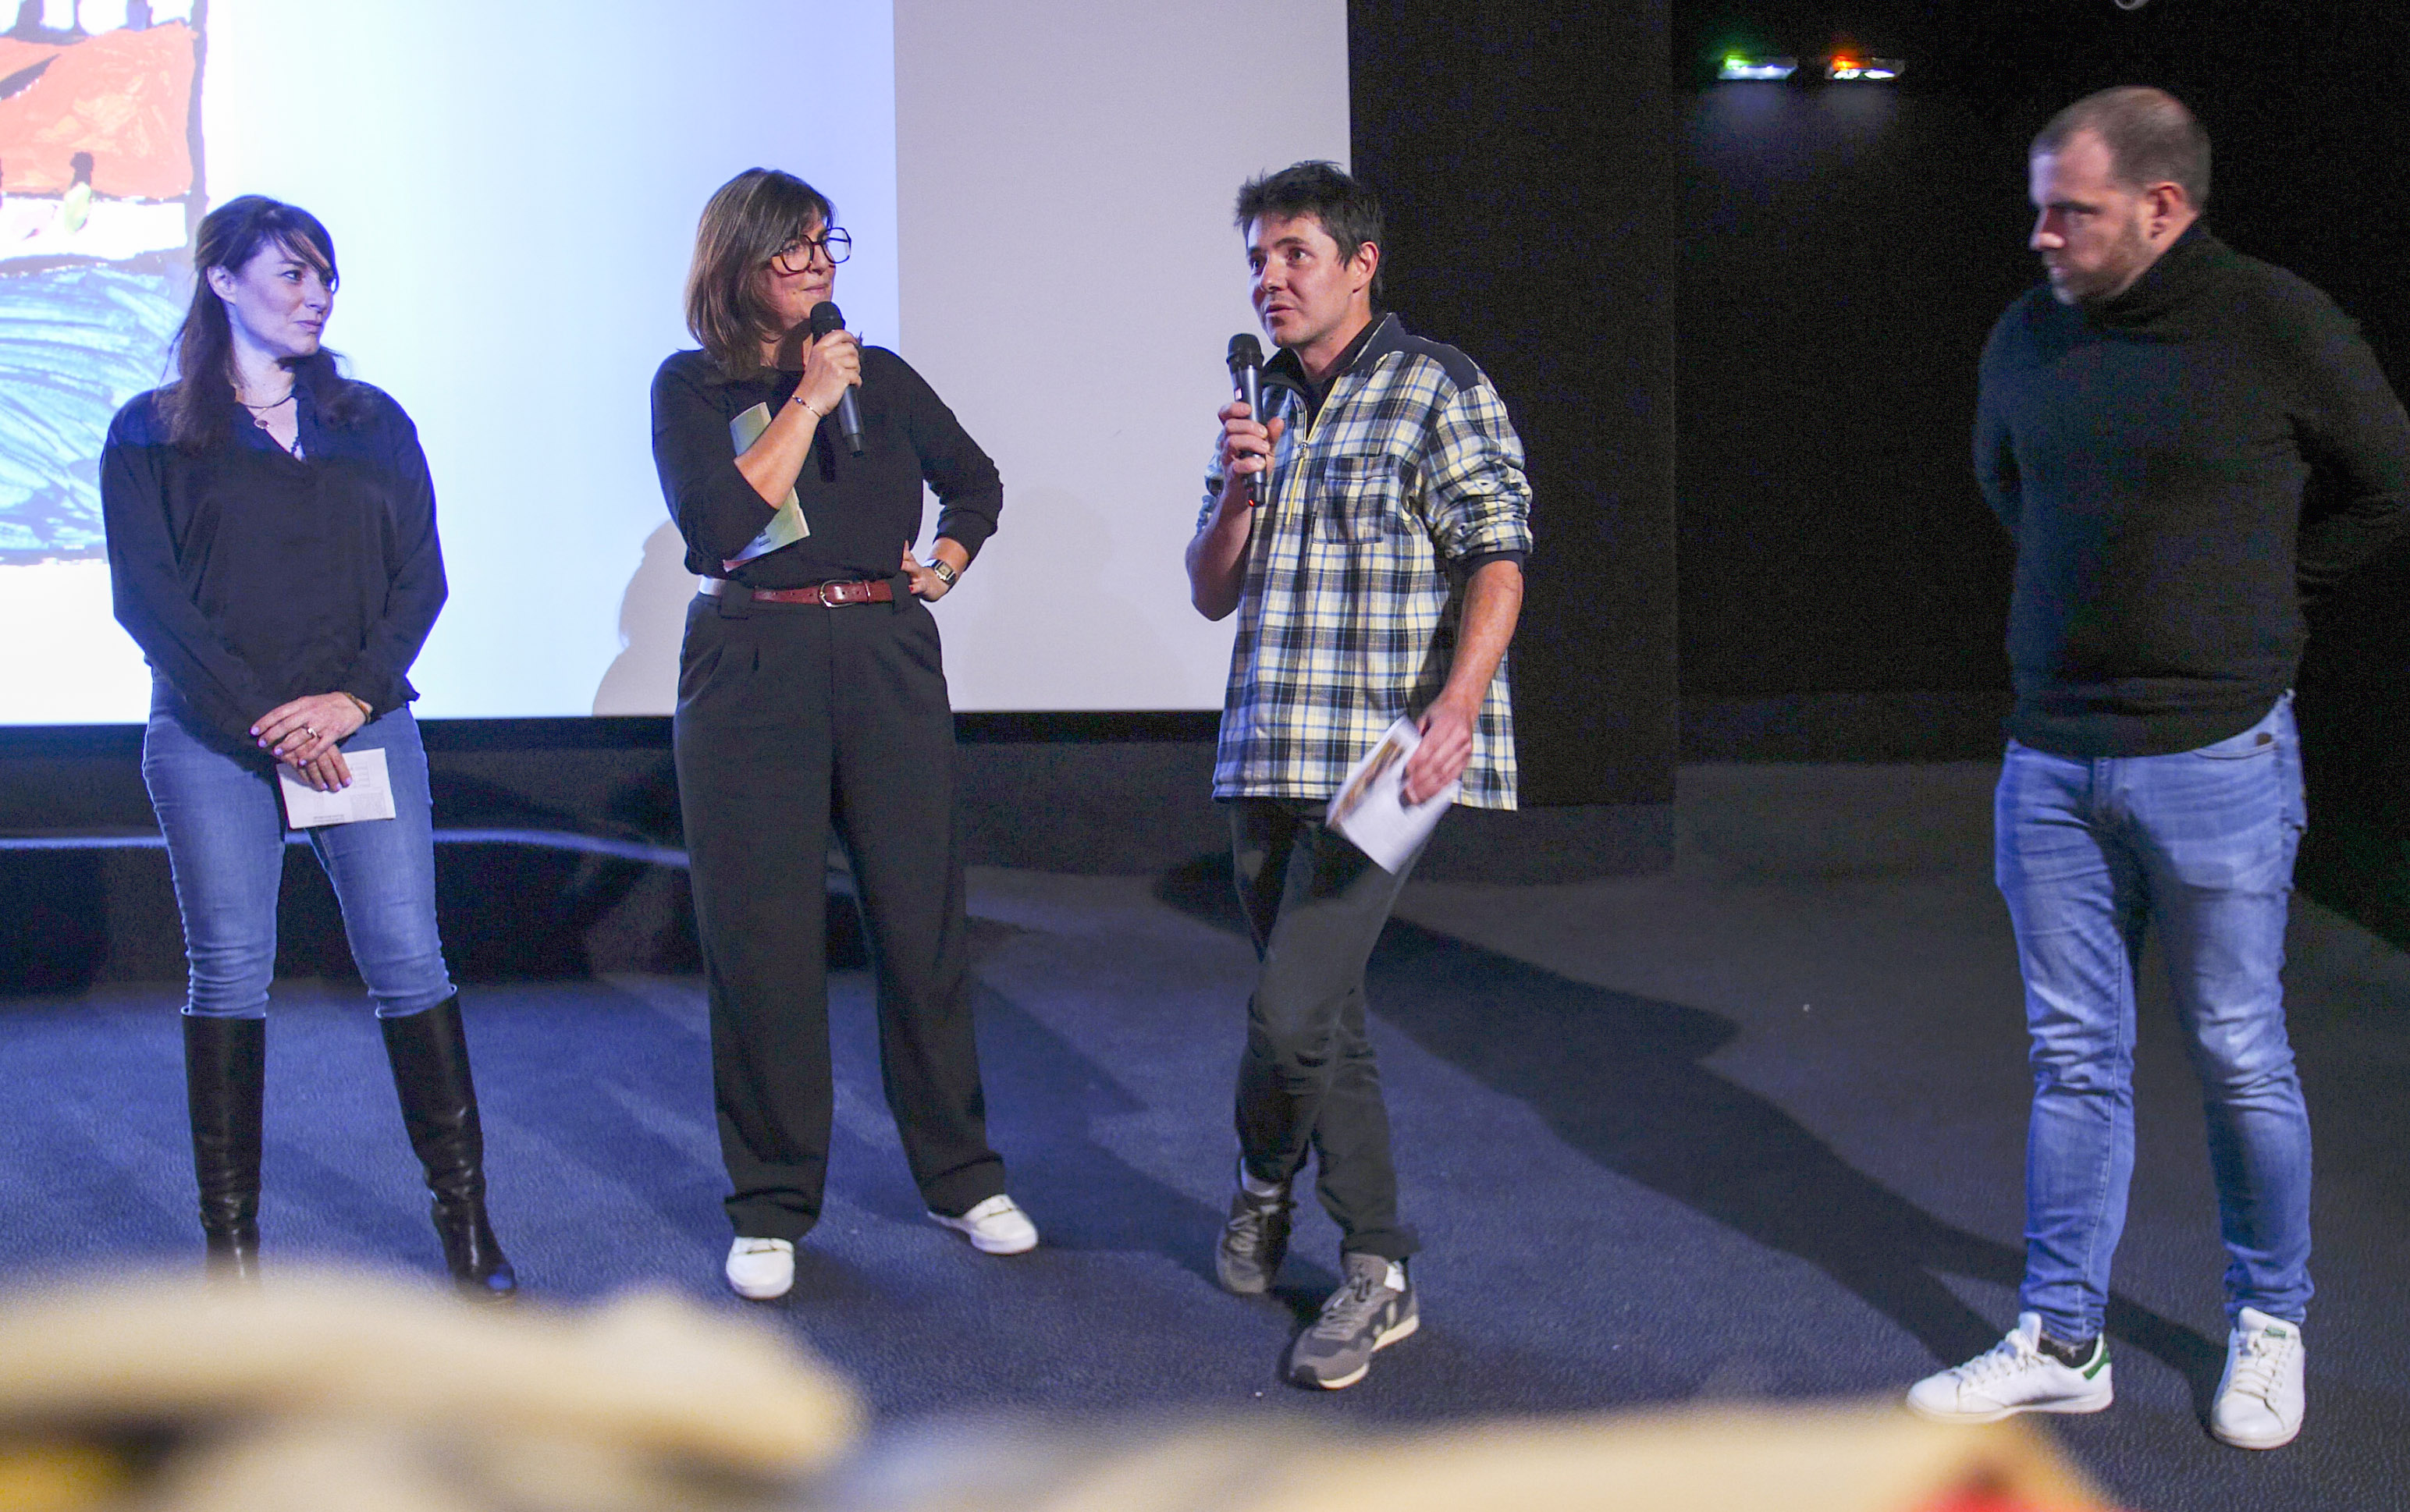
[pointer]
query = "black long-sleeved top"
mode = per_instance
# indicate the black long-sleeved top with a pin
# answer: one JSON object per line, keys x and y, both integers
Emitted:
{"x": 863, "y": 511}
{"x": 2149, "y": 454}
{"x": 250, "y": 577}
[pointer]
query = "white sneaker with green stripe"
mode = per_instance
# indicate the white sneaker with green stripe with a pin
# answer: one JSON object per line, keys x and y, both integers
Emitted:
{"x": 2260, "y": 1402}
{"x": 2013, "y": 1377}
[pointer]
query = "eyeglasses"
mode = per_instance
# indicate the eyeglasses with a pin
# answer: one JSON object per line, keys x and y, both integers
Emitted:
{"x": 796, "y": 255}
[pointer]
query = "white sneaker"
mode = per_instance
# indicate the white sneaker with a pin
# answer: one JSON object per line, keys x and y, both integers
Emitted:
{"x": 760, "y": 1270}
{"x": 996, "y": 1226}
{"x": 2014, "y": 1376}
{"x": 2260, "y": 1402}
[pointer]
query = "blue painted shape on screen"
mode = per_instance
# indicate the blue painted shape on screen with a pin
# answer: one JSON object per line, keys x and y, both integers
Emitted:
{"x": 75, "y": 344}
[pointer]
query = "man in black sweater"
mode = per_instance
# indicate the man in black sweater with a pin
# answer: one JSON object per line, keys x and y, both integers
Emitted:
{"x": 2146, "y": 427}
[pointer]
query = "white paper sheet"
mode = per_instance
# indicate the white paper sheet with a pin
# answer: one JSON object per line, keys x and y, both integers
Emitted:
{"x": 370, "y": 797}
{"x": 1371, "y": 810}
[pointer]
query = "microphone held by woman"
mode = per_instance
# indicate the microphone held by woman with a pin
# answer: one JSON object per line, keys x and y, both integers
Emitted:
{"x": 826, "y": 317}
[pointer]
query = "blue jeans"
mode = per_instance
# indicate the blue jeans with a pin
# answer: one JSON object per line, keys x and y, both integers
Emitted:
{"x": 224, "y": 820}
{"x": 2088, "y": 853}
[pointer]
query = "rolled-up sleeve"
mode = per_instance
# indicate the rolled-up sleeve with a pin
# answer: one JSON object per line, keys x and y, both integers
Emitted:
{"x": 714, "y": 507}
{"x": 1477, "y": 497}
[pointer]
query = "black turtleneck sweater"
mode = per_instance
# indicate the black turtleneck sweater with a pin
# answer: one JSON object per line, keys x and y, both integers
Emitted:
{"x": 2150, "y": 453}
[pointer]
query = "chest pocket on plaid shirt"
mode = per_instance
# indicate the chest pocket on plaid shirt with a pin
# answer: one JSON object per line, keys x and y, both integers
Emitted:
{"x": 1359, "y": 499}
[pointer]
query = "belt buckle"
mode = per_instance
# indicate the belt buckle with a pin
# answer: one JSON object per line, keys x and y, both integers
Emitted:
{"x": 821, "y": 591}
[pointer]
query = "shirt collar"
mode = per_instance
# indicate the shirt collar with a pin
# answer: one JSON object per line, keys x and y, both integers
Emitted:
{"x": 1367, "y": 348}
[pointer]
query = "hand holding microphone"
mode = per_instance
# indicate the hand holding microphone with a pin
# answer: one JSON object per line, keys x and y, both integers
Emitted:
{"x": 845, "y": 364}
{"x": 1247, "y": 441}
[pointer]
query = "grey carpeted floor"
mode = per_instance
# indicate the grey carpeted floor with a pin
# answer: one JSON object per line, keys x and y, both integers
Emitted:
{"x": 1753, "y": 1129}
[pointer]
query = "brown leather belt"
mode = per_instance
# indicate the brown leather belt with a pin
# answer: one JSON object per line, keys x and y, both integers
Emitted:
{"x": 833, "y": 595}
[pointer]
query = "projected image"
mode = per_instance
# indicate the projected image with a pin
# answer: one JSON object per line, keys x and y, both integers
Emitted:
{"x": 99, "y": 166}
{"x": 514, "y": 191}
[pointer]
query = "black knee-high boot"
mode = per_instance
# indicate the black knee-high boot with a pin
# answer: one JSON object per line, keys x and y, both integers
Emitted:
{"x": 438, "y": 1106}
{"x": 225, "y": 1066}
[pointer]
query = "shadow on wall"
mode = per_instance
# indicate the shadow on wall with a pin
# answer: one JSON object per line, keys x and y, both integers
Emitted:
{"x": 1624, "y": 1080}
{"x": 991, "y": 640}
{"x": 643, "y": 680}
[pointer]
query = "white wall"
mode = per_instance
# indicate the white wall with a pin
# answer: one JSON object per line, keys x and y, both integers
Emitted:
{"x": 1070, "y": 284}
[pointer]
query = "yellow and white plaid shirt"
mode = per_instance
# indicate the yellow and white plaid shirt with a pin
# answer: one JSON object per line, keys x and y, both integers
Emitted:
{"x": 1353, "y": 589}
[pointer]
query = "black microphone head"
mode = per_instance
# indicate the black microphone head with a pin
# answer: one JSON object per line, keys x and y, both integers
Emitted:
{"x": 826, "y": 317}
{"x": 1245, "y": 351}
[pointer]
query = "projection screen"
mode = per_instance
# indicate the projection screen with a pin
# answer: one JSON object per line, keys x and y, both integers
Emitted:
{"x": 1039, "y": 195}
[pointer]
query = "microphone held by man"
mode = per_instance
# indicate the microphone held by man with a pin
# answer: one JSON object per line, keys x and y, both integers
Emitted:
{"x": 1247, "y": 378}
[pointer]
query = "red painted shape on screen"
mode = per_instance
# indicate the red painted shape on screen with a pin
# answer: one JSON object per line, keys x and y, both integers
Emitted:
{"x": 124, "y": 98}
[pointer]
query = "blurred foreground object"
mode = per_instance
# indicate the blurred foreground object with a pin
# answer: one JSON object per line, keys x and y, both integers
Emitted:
{"x": 347, "y": 1392}
{"x": 1874, "y": 1458}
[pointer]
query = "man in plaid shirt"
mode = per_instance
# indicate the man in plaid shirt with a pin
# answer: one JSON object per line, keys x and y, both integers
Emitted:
{"x": 1368, "y": 532}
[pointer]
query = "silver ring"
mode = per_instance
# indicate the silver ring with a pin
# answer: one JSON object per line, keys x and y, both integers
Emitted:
{"x": 310, "y": 731}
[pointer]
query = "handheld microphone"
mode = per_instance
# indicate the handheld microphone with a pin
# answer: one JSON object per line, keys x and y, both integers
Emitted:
{"x": 1247, "y": 375}
{"x": 826, "y": 317}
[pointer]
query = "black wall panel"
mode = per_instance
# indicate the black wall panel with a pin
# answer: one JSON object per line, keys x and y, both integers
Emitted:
{"x": 1521, "y": 148}
{"x": 1843, "y": 251}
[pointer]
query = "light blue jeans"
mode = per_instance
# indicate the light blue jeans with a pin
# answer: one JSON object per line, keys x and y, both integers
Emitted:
{"x": 224, "y": 820}
{"x": 2088, "y": 853}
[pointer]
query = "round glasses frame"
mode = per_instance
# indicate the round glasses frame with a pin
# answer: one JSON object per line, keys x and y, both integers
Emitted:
{"x": 796, "y": 255}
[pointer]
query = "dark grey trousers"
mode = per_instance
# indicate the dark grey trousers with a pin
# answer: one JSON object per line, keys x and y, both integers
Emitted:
{"x": 1316, "y": 905}
{"x": 792, "y": 717}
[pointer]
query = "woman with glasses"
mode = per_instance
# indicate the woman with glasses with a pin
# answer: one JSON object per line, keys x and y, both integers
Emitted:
{"x": 811, "y": 693}
{"x": 272, "y": 543}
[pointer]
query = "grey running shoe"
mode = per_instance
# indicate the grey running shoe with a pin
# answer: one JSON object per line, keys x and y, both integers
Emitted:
{"x": 1364, "y": 1315}
{"x": 1254, "y": 1242}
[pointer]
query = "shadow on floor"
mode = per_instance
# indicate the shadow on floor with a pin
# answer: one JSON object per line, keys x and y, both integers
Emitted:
{"x": 1619, "y": 1078}
{"x": 1050, "y": 1125}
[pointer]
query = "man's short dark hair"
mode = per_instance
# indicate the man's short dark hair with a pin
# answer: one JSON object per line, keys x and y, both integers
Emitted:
{"x": 1349, "y": 211}
{"x": 2152, "y": 138}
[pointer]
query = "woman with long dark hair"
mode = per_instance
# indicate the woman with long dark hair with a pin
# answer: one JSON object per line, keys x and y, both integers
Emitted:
{"x": 811, "y": 690}
{"x": 272, "y": 543}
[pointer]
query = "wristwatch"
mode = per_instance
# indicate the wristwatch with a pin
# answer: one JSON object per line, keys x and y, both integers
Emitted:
{"x": 946, "y": 574}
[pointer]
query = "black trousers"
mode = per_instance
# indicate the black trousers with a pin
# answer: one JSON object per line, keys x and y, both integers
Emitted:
{"x": 1316, "y": 905}
{"x": 792, "y": 717}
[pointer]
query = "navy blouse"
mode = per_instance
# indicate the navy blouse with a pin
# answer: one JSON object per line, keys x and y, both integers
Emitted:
{"x": 250, "y": 577}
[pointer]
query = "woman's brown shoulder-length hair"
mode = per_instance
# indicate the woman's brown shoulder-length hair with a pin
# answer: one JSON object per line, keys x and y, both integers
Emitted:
{"x": 748, "y": 220}
{"x": 200, "y": 403}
